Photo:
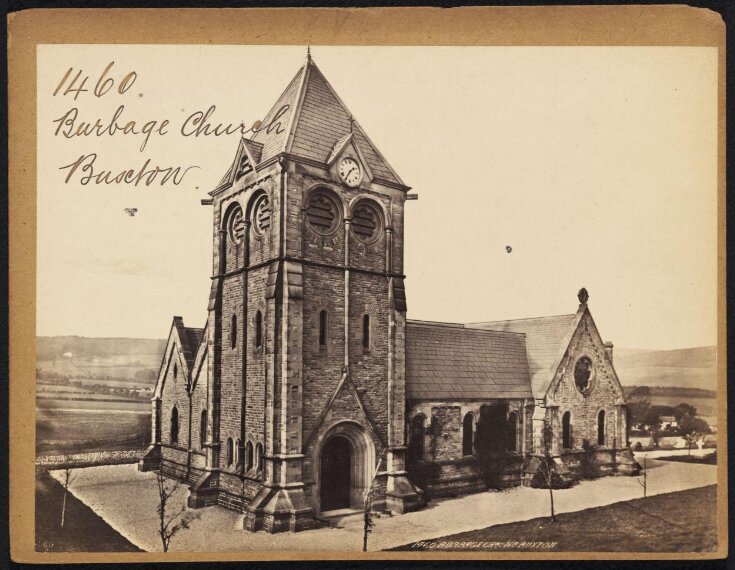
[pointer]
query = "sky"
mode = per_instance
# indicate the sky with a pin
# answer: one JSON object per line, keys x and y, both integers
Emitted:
{"x": 597, "y": 166}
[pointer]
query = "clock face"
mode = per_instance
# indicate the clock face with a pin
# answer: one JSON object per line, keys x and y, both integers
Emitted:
{"x": 350, "y": 172}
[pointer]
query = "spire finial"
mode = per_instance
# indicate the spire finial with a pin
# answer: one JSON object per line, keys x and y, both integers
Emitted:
{"x": 308, "y": 53}
{"x": 583, "y": 296}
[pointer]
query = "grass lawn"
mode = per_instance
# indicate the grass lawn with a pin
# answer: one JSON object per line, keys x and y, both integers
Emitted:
{"x": 77, "y": 431}
{"x": 83, "y": 530}
{"x": 709, "y": 459}
{"x": 673, "y": 522}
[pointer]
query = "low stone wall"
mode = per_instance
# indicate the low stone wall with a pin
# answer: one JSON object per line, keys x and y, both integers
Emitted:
{"x": 77, "y": 460}
{"x": 448, "y": 478}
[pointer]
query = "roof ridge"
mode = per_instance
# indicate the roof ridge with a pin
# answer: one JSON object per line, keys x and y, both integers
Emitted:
{"x": 436, "y": 324}
{"x": 521, "y": 319}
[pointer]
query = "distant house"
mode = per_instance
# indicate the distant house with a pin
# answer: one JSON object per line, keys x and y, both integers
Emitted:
{"x": 711, "y": 422}
{"x": 667, "y": 422}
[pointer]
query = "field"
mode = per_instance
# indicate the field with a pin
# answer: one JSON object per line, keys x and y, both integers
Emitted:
{"x": 705, "y": 406}
{"x": 93, "y": 394}
{"x": 65, "y": 431}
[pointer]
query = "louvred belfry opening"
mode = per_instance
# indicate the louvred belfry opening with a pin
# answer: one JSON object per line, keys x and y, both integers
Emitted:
{"x": 322, "y": 214}
{"x": 262, "y": 215}
{"x": 237, "y": 226}
{"x": 365, "y": 222}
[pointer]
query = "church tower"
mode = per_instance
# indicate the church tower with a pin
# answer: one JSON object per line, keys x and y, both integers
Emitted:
{"x": 302, "y": 408}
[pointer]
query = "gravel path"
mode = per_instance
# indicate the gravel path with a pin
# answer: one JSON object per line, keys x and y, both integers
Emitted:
{"x": 127, "y": 500}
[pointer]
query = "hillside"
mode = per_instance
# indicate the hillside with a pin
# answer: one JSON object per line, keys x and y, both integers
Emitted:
{"x": 126, "y": 357}
{"x": 684, "y": 368}
{"x": 119, "y": 358}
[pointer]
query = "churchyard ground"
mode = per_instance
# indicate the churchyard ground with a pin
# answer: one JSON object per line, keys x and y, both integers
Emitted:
{"x": 126, "y": 500}
{"x": 685, "y": 521}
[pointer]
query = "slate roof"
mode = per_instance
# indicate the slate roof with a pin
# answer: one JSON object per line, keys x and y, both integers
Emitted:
{"x": 318, "y": 119}
{"x": 547, "y": 338}
{"x": 190, "y": 339}
{"x": 451, "y": 362}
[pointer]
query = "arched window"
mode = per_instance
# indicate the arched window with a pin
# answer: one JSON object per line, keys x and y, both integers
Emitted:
{"x": 176, "y": 371}
{"x": 259, "y": 458}
{"x": 249, "y": 456}
{"x": 228, "y": 452}
{"x": 513, "y": 432}
{"x": 566, "y": 430}
{"x": 366, "y": 333}
{"x": 238, "y": 453}
{"x": 203, "y": 429}
{"x": 468, "y": 443}
{"x": 323, "y": 329}
{"x": 258, "y": 329}
{"x": 174, "y": 426}
{"x": 601, "y": 428}
{"x": 233, "y": 331}
{"x": 416, "y": 441}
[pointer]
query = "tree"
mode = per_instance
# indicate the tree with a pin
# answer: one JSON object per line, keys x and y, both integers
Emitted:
{"x": 367, "y": 514}
{"x": 67, "y": 481}
{"x": 547, "y": 465}
{"x": 683, "y": 410}
{"x": 690, "y": 424}
{"x": 652, "y": 417}
{"x": 639, "y": 401}
{"x": 169, "y": 525}
{"x": 691, "y": 439}
{"x": 644, "y": 471}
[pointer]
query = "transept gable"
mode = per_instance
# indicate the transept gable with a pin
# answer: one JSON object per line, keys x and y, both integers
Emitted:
{"x": 585, "y": 343}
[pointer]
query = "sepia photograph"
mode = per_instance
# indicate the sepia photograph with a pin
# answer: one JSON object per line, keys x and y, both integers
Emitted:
{"x": 397, "y": 299}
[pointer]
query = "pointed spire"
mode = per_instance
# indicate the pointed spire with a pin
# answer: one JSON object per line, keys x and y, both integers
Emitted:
{"x": 308, "y": 53}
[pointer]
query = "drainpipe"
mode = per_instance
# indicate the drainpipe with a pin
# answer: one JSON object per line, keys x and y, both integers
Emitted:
{"x": 348, "y": 224}
{"x": 245, "y": 345}
{"x": 188, "y": 448}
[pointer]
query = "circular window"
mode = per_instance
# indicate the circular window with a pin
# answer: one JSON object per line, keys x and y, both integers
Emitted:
{"x": 366, "y": 222}
{"x": 584, "y": 372}
{"x": 261, "y": 217}
{"x": 236, "y": 226}
{"x": 322, "y": 214}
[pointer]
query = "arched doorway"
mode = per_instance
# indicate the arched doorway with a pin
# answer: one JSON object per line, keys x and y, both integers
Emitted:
{"x": 336, "y": 474}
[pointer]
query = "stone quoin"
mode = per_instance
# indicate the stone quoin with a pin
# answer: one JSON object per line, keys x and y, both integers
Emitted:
{"x": 308, "y": 392}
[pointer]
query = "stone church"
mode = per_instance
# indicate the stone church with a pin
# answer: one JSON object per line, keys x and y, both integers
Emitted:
{"x": 308, "y": 392}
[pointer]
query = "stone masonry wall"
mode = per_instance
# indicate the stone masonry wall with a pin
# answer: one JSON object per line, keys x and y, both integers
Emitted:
{"x": 447, "y": 442}
{"x": 174, "y": 394}
{"x": 256, "y": 362}
{"x": 323, "y": 290}
{"x": 198, "y": 403}
{"x": 369, "y": 368}
{"x": 231, "y": 365}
